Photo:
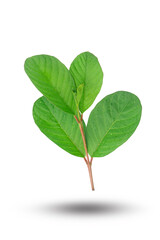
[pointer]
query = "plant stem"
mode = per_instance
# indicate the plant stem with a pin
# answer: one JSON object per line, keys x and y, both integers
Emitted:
{"x": 88, "y": 162}
{"x": 90, "y": 175}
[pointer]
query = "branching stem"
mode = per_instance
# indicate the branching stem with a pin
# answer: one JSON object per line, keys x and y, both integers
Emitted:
{"x": 88, "y": 162}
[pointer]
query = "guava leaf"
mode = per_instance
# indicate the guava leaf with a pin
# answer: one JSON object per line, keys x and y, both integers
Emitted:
{"x": 86, "y": 70}
{"x": 112, "y": 122}
{"x": 53, "y": 80}
{"x": 58, "y": 126}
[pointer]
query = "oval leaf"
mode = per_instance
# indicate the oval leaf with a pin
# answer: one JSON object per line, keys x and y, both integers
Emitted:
{"x": 112, "y": 122}
{"x": 53, "y": 80}
{"x": 58, "y": 126}
{"x": 86, "y": 70}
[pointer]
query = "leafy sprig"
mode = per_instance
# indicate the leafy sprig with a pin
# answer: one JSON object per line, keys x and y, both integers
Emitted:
{"x": 67, "y": 94}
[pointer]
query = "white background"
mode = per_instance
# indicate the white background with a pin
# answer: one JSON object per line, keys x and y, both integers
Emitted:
{"x": 45, "y": 192}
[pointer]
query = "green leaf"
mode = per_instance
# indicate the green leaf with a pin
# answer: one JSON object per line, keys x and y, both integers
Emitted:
{"x": 86, "y": 70}
{"x": 58, "y": 126}
{"x": 112, "y": 122}
{"x": 53, "y": 80}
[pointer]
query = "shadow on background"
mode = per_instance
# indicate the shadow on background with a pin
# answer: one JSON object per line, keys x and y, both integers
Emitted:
{"x": 87, "y": 208}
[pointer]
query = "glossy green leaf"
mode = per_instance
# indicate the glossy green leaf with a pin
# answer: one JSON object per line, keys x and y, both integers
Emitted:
{"x": 53, "y": 80}
{"x": 112, "y": 122}
{"x": 58, "y": 126}
{"x": 86, "y": 70}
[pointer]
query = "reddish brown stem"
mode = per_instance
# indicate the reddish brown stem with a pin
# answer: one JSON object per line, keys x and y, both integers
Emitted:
{"x": 85, "y": 160}
{"x": 86, "y": 151}
{"x": 76, "y": 119}
{"x": 90, "y": 175}
{"x": 91, "y": 161}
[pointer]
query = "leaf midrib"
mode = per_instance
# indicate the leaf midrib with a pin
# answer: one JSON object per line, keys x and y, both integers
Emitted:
{"x": 81, "y": 103}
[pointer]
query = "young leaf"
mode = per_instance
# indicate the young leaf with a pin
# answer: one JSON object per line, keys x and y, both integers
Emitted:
{"x": 58, "y": 126}
{"x": 77, "y": 95}
{"x": 53, "y": 80}
{"x": 79, "y": 92}
{"x": 112, "y": 122}
{"x": 86, "y": 70}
